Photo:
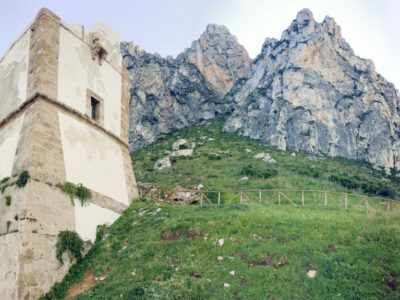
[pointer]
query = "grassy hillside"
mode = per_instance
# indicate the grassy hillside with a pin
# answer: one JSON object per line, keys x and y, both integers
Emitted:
{"x": 173, "y": 254}
{"x": 219, "y": 165}
{"x": 165, "y": 251}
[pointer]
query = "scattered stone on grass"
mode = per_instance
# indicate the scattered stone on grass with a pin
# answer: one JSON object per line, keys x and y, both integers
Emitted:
{"x": 311, "y": 273}
{"x": 162, "y": 163}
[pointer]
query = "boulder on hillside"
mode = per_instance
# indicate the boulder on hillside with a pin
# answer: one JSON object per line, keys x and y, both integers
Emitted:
{"x": 265, "y": 157}
{"x": 178, "y": 143}
{"x": 162, "y": 163}
{"x": 184, "y": 152}
{"x": 262, "y": 155}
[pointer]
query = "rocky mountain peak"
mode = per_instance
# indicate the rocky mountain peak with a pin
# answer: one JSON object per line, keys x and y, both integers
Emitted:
{"x": 168, "y": 94}
{"x": 309, "y": 91}
{"x": 132, "y": 49}
{"x": 216, "y": 29}
{"x": 304, "y": 15}
{"x": 219, "y": 57}
{"x": 331, "y": 27}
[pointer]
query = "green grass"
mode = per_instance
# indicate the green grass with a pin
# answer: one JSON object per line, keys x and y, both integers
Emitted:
{"x": 173, "y": 254}
{"x": 271, "y": 248}
{"x": 219, "y": 165}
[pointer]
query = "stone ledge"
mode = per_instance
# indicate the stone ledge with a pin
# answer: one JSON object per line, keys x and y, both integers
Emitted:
{"x": 87, "y": 120}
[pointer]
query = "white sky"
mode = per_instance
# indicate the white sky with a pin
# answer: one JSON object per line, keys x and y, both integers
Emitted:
{"x": 372, "y": 27}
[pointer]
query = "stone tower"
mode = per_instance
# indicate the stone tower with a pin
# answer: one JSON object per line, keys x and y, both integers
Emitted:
{"x": 64, "y": 116}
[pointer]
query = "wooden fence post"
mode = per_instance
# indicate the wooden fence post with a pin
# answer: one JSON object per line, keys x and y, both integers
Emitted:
{"x": 388, "y": 205}
{"x": 302, "y": 198}
{"x": 366, "y": 203}
{"x": 241, "y": 197}
{"x": 345, "y": 201}
{"x": 279, "y": 197}
{"x": 259, "y": 196}
{"x": 219, "y": 198}
{"x": 201, "y": 198}
{"x": 325, "y": 199}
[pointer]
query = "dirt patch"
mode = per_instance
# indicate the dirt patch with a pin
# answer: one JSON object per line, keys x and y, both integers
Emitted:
{"x": 267, "y": 261}
{"x": 330, "y": 248}
{"x": 174, "y": 262}
{"x": 285, "y": 240}
{"x": 196, "y": 276}
{"x": 87, "y": 283}
{"x": 393, "y": 282}
{"x": 173, "y": 236}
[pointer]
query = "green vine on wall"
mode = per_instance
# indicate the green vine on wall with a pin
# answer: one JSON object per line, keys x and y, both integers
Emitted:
{"x": 23, "y": 179}
{"x": 8, "y": 200}
{"x": 69, "y": 240}
{"x": 79, "y": 191}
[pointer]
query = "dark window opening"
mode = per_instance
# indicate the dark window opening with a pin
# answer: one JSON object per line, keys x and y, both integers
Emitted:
{"x": 95, "y": 108}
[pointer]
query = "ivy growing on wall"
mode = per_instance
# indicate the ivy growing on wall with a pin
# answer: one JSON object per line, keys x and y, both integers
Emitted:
{"x": 78, "y": 191}
{"x": 69, "y": 240}
{"x": 23, "y": 179}
{"x": 8, "y": 200}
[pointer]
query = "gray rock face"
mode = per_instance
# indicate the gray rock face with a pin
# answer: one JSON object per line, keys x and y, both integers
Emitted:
{"x": 169, "y": 94}
{"x": 162, "y": 163}
{"x": 309, "y": 91}
{"x": 219, "y": 57}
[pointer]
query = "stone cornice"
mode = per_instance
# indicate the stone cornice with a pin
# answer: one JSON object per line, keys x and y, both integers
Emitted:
{"x": 37, "y": 96}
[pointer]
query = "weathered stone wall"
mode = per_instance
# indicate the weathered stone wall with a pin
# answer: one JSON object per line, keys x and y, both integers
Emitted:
{"x": 48, "y": 135}
{"x": 88, "y": 153}
{"x": 9, "y": 137}
{"x": 78, "y": 72}
{"x": 14, "y": 75}
{"x": 28, "y": 265}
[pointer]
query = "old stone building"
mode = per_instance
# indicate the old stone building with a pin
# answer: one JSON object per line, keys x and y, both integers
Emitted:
{"x": 64, "y": 101}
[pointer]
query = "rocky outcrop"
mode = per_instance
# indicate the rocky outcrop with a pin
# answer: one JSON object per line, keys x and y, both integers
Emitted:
{"x": 169, "y": 94}
{"x": 219, "y": 57}
{"x": 309, "y": 91}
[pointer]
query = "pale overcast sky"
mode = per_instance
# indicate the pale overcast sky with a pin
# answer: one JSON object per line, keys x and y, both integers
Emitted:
{"x": 372, "y": 27}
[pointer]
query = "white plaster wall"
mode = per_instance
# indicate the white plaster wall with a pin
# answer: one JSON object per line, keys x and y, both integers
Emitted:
{"x": 9, "y": 137}
{"x": 92, "y": 159}
{"x": 14, "y": 76}
{"x": 9, "y": 265}
{"x": 87, "y": 218}
{"x": 78, "y": 71}
{"x": 111, "y": 41}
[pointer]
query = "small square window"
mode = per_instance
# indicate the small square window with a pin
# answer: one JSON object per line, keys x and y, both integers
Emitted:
{"x": 95, "y": 108}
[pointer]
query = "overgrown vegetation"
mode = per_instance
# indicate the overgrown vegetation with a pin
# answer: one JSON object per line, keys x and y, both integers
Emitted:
{"x": 79, "y": 191}
{"x": 22, "y": 179}
{"x": 69, "y": 240}
{"x": 259, "y": 171}
{"x": 5, "y": 183}
{"x": 101, "y": 229}
{"x": 220, "y": 163}
{"x": 173, "y": 254}
{"x": 267, "y": 250}
{"x": 4, "y": 180}
{"x": 8, "y": 200}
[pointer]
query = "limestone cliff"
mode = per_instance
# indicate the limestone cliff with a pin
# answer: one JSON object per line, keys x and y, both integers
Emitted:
{"x": 219, "y": 57}
{"x": 309, "y": 91}
{"x": 169, "y": 94}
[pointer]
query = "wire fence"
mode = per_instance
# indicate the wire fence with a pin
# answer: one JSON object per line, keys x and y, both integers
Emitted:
{"x": 296, "y": 198}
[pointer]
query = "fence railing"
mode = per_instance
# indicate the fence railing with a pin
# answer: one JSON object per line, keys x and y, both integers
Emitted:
{"x": 278, "y": 197}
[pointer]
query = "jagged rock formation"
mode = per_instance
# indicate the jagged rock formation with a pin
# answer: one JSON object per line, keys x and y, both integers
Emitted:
{"x": 168, "y": 94}
{"x": 309, "y": 91}
{"x": 219, "y": 57}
